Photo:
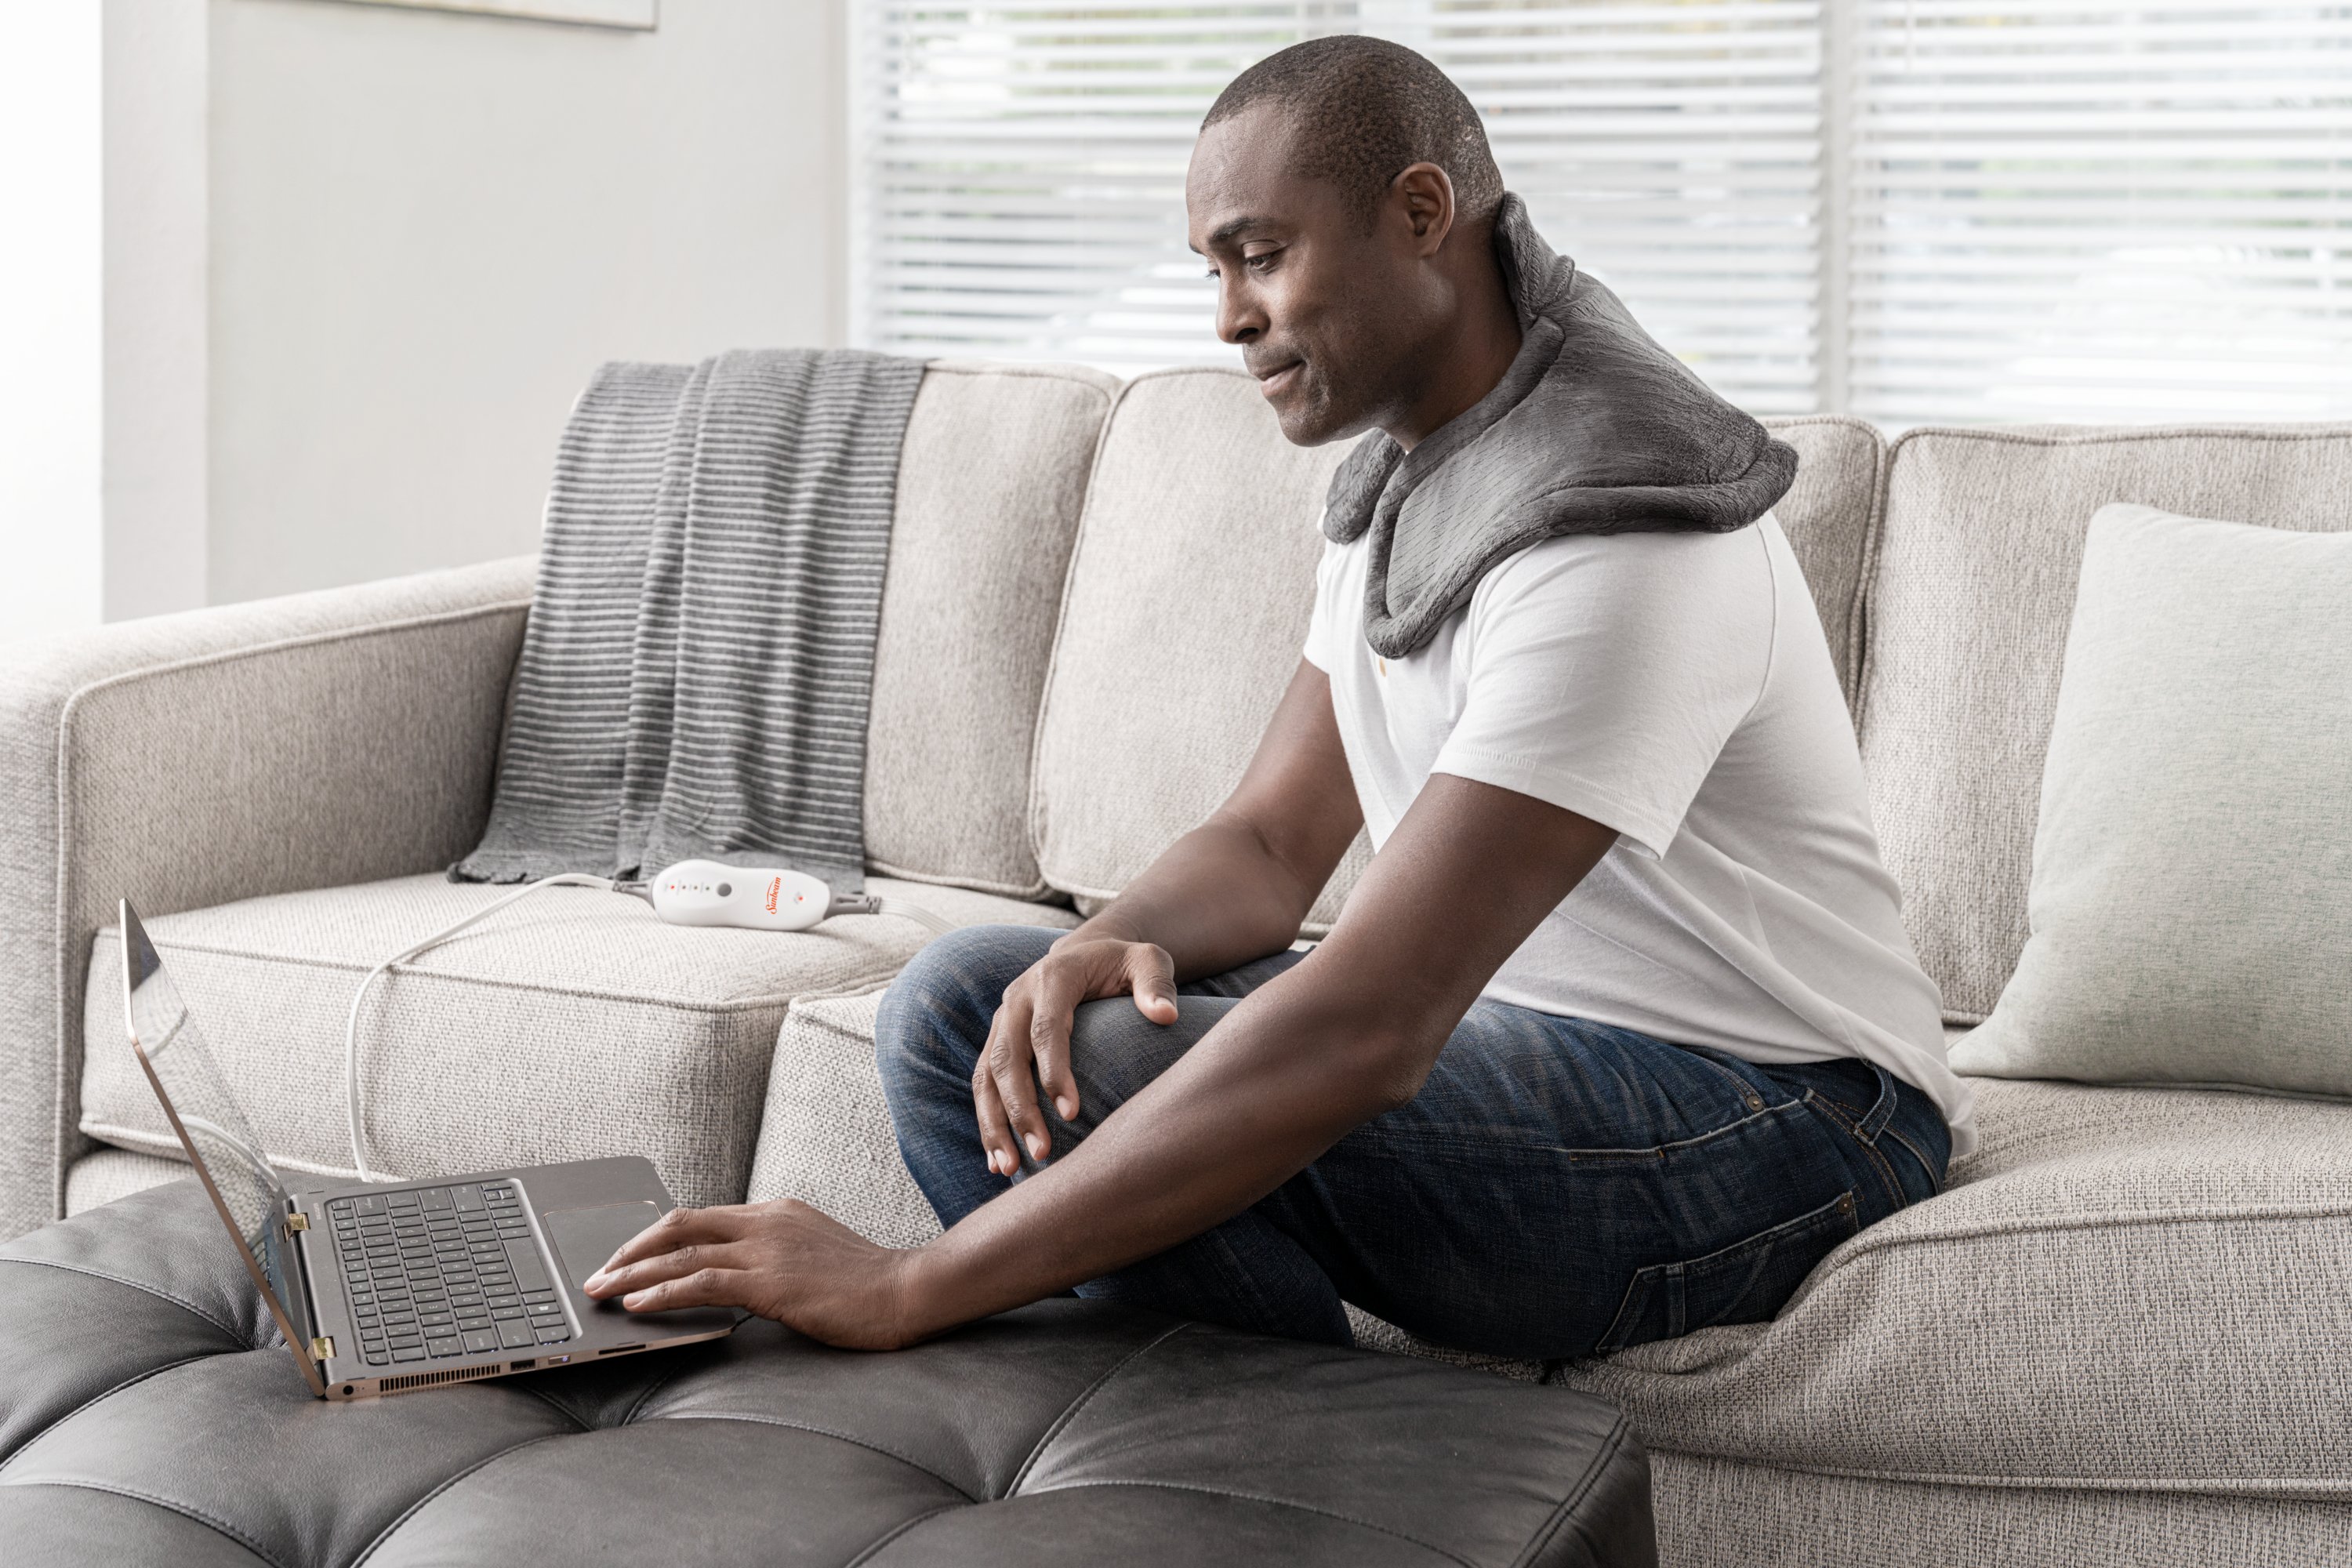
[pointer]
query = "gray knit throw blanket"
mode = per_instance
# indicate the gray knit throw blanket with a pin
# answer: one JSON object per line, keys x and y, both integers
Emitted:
{"x": 1593, "y": 429}
{"x": 696, "y": 674}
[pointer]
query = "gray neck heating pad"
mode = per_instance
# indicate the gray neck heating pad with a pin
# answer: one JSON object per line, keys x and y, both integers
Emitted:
{"x": 1594, "y": 429}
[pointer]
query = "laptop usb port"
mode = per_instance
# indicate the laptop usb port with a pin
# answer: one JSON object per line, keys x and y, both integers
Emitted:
{"x": 521, "y": 1365}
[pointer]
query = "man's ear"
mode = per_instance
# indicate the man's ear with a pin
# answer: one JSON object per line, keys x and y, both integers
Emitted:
{"x": 1426, "y": 195}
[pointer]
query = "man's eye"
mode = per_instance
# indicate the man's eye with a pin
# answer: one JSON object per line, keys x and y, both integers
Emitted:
{"x": 1261, "y": 261}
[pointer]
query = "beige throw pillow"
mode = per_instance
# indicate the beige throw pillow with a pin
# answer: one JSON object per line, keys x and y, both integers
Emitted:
{"x": 2191, "y": 900}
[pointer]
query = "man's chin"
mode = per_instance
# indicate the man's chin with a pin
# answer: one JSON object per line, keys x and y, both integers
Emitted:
{"x": 1309, "y": 420}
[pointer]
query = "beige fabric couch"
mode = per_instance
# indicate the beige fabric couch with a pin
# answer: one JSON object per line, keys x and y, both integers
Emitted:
{"x": 2121, "y": 1336}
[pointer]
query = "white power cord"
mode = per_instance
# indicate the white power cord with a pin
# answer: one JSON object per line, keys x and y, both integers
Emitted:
{"x": 691, "y": 893}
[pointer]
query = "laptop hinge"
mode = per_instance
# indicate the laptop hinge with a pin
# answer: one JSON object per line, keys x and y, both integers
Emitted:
{"x": 295, "y": 1222}
{"x": 322, "y": 1348}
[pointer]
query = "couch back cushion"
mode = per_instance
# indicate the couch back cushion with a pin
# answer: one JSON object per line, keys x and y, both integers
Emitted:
{"x": 1966, "y": 612}
{"x": 1189, "y": 593}
{"x": 991, "y": 482}
{"x": 1826, "y": 515}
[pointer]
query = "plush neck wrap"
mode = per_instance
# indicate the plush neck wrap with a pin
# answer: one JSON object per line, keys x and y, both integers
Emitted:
{"x": 1593, "y": 429}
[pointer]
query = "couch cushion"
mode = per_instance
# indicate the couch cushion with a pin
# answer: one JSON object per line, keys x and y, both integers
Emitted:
{"x": 1826, "y": 515}
{"x": 138, "y": 1371}
{"x": 990, "y": 482}
{"x": 2147, "y": 1289}
{"x": 106, "y": 1173}
{"x": 1966, "y": 612}
{"x": 1188, "y": 598}
{"x": 2192, "y": 898}
{"x": 825, "y": 1136}
{"x": 571, "y": 1025}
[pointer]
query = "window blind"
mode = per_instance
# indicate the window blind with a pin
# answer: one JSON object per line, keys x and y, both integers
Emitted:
{"x": 1914, "y": 209}
{"x": 2100, "y": 209}
{"x": 1023, "y": 166}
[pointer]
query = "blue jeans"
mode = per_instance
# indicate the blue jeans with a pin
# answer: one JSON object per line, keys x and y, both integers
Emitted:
{"x": 1558, "y": 1187}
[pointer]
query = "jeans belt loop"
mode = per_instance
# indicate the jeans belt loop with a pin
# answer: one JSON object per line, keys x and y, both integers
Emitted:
{"x": 1872, "y": 1125}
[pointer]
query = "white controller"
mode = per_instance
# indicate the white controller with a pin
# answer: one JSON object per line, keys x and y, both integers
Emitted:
{"x": 706, "y": 893}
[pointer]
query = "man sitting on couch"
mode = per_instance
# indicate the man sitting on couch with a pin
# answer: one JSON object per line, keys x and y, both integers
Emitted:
{"x": 1620, "y": 1031}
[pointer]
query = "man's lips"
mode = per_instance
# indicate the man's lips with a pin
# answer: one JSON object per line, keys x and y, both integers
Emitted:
{"x": 1274, "y": 383}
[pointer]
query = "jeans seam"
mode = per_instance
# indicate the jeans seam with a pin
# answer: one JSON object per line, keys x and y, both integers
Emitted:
{"x": 1842, "y": 1117}
{"x": 1488, "y": 1145}
{"x": 1927, "y": 1167}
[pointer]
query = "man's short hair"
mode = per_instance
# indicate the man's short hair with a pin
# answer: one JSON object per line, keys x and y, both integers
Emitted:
{"x": 1362, "y": 110}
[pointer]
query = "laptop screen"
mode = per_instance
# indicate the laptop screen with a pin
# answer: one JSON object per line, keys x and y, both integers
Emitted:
{"x": 210, "y": 1123}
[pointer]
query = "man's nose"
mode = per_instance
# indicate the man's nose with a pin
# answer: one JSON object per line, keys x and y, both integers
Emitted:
{"x": 1240, "y": 317}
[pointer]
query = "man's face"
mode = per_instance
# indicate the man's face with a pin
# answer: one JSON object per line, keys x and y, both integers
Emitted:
{"x": 1321, "y": 297}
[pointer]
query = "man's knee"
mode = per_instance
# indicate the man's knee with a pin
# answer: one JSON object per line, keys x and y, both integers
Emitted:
{"x": 1115, "y": 1050}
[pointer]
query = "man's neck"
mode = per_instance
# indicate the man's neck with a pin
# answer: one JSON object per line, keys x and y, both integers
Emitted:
{"x": 1467, "y": 359}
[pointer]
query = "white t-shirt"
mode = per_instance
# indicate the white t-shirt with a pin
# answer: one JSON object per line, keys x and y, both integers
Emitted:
{"x": 1677, "y": 688}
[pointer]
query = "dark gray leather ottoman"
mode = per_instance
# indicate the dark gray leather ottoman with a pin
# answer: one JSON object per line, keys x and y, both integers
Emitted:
{"x": 147, "y": 1415}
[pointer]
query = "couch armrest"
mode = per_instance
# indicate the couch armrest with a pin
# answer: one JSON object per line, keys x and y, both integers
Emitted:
{"x": 192, "y": 759}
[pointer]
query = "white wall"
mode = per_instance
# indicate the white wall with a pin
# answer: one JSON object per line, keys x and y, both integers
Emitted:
{"x": 51, "y": 320}
{"x": 427, "y": 229}
{"x": 157, "y": 303}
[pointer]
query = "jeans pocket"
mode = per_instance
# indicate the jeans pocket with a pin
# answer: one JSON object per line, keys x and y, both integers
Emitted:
{"x": 1746, "y": 1282}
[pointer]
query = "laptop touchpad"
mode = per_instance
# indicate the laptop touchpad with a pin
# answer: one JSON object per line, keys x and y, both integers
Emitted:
{"x": 585, "y": 1238}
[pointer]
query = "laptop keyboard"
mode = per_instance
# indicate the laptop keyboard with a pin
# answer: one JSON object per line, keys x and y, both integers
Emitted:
{"x": 444, "y": 1271}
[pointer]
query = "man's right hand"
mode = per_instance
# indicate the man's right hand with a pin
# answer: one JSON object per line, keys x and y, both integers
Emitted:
{"x": 1029, "y": 1043}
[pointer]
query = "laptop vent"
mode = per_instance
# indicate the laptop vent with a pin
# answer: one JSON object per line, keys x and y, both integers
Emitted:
{"x": 427, "y": 1379}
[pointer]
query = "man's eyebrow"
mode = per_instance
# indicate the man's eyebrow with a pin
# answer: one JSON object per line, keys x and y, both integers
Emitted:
{"x": 1230, "y": 229}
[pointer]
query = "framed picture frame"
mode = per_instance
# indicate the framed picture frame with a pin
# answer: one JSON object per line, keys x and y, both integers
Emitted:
{"x": 634, "y": 16}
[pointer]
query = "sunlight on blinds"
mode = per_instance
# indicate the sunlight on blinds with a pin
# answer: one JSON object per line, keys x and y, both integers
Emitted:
{"x": 2096, "y": 210}
{"x": 1915, "y": 209}
{"x": 1022, "y": 167}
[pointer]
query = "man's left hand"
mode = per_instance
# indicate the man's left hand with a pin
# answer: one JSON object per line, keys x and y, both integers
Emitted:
{"x": 782, "y": 1260}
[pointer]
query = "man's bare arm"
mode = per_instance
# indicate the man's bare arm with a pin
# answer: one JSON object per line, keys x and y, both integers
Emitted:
{"x": 1350, "y": 1031}
{"x": 1233, "y": 889}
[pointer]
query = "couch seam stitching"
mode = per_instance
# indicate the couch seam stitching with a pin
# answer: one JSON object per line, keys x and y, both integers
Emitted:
{"x": 644, "y": 1394}
{"x": 821, "y": 1432}
{"x": 95, "y": 1399}
{"x": 686, "y": 1005}
{"x": 1028, "y": 893}
{"x": 887, "y": 1536}
{"x": 2096, "y": 435}
{"x": 184, "y": 1510}
{"x": 444, "y": 1485}
{"x": 242, "y": 1341}
{"x": 1549, "y": 1530}
{"x": 2241, "y": 1487}
{"x": 1864, "y": 1244}
{"x": 1061, "y": 1422}
{"x": 1377, "y": 1529}
{"x": 545, "y": 1398}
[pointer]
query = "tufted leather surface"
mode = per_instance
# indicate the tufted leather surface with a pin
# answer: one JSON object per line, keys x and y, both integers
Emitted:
{"x": 147, "y": 1415}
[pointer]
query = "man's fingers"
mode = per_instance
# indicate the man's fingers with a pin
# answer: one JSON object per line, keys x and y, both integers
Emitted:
{"x": 1049, "y": 1047}
{"x": 648, "y": 1271}
{"x": 702, "y": 1287}
{"x": 995, "y": 1132}
{"x": 1152, "y": 975}
{"x": 1010, "y": 1067}
{"x": 675, "y": 1229}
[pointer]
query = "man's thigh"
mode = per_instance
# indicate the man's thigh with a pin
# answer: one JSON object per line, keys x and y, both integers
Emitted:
{"x": 1552, "y": 1175}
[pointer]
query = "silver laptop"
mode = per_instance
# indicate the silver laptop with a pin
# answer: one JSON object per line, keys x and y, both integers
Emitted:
{"x": 389, "y": 1288}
